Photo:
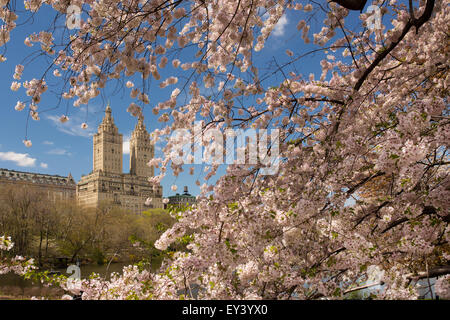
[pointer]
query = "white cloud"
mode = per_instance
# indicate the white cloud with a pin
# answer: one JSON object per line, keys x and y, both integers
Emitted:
{"x": 20, "y": 159}
{"x": 59, "y": 152}
{"x": 48, "y": 142}
{"x": 126, "y": 144}
{"x": 44, "y": 165}
{"x": 280, "y": 26}
{"x": 73, "y": 126}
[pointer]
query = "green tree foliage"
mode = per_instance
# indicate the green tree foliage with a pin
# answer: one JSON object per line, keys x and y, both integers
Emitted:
{"x": 46, "y": 230}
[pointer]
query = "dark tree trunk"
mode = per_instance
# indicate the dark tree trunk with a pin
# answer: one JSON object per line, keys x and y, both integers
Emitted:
{"x": 41, "y": 238}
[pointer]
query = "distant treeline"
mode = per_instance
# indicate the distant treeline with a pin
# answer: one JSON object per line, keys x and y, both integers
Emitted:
{"x": 47, "y": 230}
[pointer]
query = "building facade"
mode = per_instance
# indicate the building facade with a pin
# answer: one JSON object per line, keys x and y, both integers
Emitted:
{"x": 56, "y": 187}
{"x": 181, "y": 200}
{"x": 107, "y": 182}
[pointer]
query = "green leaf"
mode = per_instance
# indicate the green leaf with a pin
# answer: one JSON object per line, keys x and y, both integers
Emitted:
{"x": 394, "y": 156}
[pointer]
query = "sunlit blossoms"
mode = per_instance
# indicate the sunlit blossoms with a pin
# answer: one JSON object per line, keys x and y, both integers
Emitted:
{"x": 17, "y": 264}
{"x": 15, "y": 86}
{"x": 19, "y": 106}
{"x": 27, "y": 143}
{"x": 63, "y": 118}
{"x": 18, "y": 72}
{"x": 443, "y": 287}
{"x": 6, "y": 243}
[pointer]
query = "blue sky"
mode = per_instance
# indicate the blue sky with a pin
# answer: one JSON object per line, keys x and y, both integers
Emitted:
{"x": 62, "y": 148}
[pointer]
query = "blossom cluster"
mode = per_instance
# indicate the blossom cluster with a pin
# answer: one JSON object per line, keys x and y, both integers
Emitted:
{"x": 18, "y": 264}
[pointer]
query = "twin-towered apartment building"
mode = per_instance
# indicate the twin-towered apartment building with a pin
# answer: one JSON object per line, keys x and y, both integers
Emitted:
{"x": 106, "y": 182}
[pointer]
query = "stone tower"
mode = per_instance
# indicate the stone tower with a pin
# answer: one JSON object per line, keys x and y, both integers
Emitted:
{"x": 141, "y": 151}
{"x": 108, "y": 141}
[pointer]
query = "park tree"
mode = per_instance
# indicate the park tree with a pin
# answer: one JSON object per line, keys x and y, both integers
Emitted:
{"x": 77, "y": 230}
{"x": 377, "y": 111}
{"x": 22, "y": 215}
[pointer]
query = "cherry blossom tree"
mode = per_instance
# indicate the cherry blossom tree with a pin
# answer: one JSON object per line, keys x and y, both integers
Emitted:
{"x": 18, "y": 264}
{"x": 378, "y": 109}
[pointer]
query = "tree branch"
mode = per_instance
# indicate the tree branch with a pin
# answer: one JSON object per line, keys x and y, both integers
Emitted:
{"x": 433, "y": 272}
{"x": 356, "y": 186}
{"x": 364, "y": 287}
{"x": 412, "y": 22}
{"x": 427, "y": 210}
